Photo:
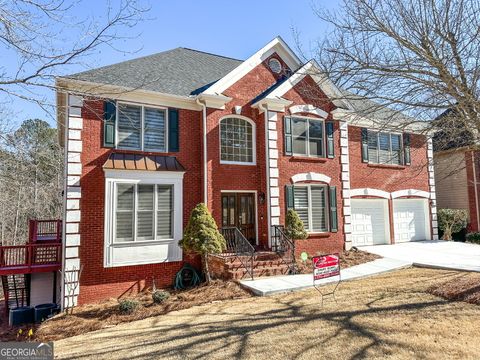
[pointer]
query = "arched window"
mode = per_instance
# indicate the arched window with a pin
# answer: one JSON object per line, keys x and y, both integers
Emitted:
{"x": 237, "y": 141}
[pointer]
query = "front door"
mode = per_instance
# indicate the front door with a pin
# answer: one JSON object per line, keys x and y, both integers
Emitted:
{"x": 238, "y": 209}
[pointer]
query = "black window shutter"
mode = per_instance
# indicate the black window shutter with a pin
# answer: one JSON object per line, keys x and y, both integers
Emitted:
{"x": 109, "y": 117}
{"x": 406, "y": 149}
{"x": 173, "y": 130}
{"x": 289, "y": 197}
{"x": 330, "y": 143}
{"x": 287, "y": 129}
{"x": 333, "y": 209}
{"x": 364, "y": 145}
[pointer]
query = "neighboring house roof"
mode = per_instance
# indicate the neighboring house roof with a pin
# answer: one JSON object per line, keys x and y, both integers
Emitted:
{"x": 450, "y": 134}
{"x": 125, "y": 161}
{"x": 180, "y": 71}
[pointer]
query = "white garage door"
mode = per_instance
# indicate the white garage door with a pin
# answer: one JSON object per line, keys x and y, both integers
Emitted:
{"x": 370, "y": 224}
{"x": 411, "y": 220}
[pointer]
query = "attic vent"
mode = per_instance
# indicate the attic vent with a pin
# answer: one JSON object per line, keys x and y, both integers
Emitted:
{"x": 275, "y": 65}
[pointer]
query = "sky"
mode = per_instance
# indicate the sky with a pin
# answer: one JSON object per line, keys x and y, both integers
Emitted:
{"x": 231, "y": 28}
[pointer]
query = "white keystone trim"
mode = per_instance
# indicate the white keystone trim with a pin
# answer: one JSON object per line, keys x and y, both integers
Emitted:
{"x": 410, "y": 192}
{"x": 308, "y": 109}
{"x": 311, "y": 176}
{"x": 433, "y": 195}
{"x": 369, "y": 192}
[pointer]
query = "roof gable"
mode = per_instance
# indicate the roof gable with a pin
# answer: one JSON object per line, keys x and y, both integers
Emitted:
{"x": 277, "y": 45}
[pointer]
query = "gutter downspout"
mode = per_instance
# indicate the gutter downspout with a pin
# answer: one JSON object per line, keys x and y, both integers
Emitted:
{"x": 205, "y": 163}
{"x": 267, "y": 165}
{"x": 476, "y": 191}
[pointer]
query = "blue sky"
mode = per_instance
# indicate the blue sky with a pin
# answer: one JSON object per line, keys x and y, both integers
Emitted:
{"x": 231, "y": 28}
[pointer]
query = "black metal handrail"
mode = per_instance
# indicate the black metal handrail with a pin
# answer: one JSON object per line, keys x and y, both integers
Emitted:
{"x": 285, "y": 247}
{"x": 238, "y": 244}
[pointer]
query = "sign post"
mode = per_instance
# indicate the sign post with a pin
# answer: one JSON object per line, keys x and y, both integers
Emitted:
{"x": 326, "y": 266}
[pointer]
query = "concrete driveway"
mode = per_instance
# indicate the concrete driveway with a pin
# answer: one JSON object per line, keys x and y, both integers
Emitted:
{"x": 437, "y": 254}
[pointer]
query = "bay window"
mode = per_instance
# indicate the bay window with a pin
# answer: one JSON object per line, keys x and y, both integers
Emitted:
{"x": 143, "y": 212}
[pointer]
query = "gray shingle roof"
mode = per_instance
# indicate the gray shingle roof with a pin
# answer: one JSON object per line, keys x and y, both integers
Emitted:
{"x": 179, "y": 71}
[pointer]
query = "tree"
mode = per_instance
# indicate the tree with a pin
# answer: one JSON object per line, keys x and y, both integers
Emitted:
{"x": 451, "y": 221}
{"x": 40, "y": 38}
{"x": 419, "y": 56}
{"x": 31, "y": 178}
{"x": 202, "y": 237}
{"x": 294, "y": 228}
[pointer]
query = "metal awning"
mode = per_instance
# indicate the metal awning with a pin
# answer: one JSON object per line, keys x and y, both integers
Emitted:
{"x": 128, "y": 161}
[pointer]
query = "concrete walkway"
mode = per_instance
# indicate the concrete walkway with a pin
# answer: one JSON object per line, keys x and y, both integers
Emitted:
{"x": 435, "y": 254}
{"x": 279, "y": 284}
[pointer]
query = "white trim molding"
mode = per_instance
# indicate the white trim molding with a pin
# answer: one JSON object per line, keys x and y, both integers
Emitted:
{"x": 277, "y": 45}
{"x": 308, "y": 109}
{"x": 410, "y": 192}
{"x": 370, "y": 192}
{"x": 433, "y": 195}
{"x": 142, "y": 252}
{"x": 310, "y": 176}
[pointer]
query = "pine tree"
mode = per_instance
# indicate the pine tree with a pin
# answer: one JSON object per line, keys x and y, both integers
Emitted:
{"x": 202, "y": 237}
{"x": 294, "y": 229}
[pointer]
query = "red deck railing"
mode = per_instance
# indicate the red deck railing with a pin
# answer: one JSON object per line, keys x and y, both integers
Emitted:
{"x": 42, "y": 253}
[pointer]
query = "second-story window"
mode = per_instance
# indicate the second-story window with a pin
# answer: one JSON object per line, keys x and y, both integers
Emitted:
{"x": 307, "y": 137}
{"x": 141, "y": 128}
{"x": 237, "y": 141}
{"x": 384, "y": 148}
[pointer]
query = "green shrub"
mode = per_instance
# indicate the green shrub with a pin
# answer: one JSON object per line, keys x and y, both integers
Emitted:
{"x": 294, "y": 226}
{"x": 201, "y": 236}
{"x": 127, "y": 306}
{"x": 452, "y": 221}
{"x": 473, "y": 238}
{"x": 159, "y": 296}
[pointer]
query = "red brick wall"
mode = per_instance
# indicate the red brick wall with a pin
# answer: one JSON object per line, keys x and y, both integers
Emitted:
{"x": 240, "y": 177}
{"x": 388, "y": 178}
{"x": 97, "y": 282}
{"x": 307, "y": 92}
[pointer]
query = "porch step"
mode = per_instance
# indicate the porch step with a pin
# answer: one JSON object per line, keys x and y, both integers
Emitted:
{"x": 257, "y": 264}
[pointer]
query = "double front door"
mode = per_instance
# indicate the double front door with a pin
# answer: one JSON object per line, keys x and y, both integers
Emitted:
{"x": 238, "y": 209}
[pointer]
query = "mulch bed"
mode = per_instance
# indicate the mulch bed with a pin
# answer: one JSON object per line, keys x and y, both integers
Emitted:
{"x": 347, "y": 259}
{"x": 106, "y": 314}
{"x": 465, "y": 287}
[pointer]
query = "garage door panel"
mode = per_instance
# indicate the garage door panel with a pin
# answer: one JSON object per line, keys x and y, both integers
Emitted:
{"x": 369, "y": 222}
{"x": 410, "y": 220}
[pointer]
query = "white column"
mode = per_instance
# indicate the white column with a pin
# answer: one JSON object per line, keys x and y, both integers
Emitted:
{"x": 433, "y": 196}
{"x": 345, "y": 177}
{"x": 73, "y": 194}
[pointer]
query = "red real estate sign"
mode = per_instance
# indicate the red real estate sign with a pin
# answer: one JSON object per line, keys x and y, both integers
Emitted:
{"x": 326, "y": 266}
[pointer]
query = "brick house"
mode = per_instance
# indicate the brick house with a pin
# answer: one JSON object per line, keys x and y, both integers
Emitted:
{"x": 148, "y": 139}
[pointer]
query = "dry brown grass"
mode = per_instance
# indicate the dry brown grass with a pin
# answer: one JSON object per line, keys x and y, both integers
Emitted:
{"x": 389, "y": 316}
{"x": 465, "y": 287}
{"x": 104, "y": 315}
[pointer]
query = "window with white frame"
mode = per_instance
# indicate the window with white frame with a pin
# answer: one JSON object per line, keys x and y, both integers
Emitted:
{"x": 237, "y": 141}
{"x": 143, "y": 212}
{"x": 310, "y": 203}
{"x": 384, "y": 148}
{"x": 141, "y": 128}
{"x": 307, "y": 137}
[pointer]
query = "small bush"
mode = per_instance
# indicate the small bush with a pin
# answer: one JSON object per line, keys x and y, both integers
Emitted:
{"x": 294, "y": 226}
{"x": 473, "y": 238}
{"x": 452, "y": 221}
{"x": 127, "y": 306}
{"x": 160, "y": 296}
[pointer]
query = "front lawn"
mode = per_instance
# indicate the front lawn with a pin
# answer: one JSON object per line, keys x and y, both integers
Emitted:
{"x": 389, "y": 316}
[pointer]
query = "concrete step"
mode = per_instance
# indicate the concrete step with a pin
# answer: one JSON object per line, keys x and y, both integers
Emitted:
{"x": 257, "y": 264}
